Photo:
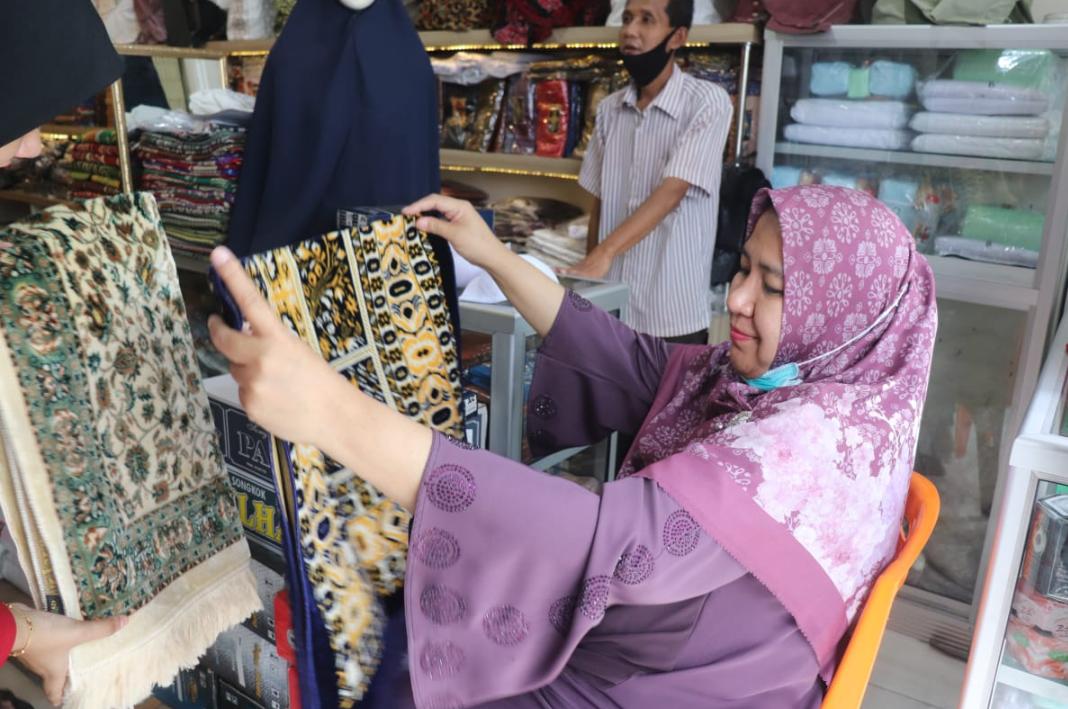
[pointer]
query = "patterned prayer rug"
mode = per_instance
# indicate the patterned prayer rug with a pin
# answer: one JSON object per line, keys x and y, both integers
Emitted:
{"x": 111, "y": 478}
{"x": 369, "y": 300}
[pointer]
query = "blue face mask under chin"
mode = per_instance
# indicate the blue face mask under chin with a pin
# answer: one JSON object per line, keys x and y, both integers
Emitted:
{"x": 782, "y": 376}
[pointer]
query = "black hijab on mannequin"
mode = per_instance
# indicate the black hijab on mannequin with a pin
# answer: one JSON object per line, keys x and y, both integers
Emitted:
{"x": 55, "y": 54}
{"x": 346, "y": 116}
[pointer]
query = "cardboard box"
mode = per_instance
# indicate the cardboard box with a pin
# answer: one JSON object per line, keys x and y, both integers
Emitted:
{"x": 251, "y": 665}
{"x": 250, "y": 456}
{"x": 191, "y": 689}
{"x": 269, "y": 583}
{"x": 228, "y": 696}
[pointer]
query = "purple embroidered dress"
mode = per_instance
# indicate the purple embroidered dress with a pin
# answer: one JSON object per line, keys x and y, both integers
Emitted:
{"x": 525, "y": 590}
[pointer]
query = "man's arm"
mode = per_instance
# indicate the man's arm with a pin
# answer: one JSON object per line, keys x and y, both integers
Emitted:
{"x": 634, "y": 228}
{"x": 594, "y": 230}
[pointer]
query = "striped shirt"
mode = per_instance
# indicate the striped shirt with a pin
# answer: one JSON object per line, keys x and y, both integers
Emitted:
{"x": 680, "y": 134}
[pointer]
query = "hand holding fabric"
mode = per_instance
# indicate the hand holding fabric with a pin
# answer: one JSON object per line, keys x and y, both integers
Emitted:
{"x": 534, "y": 295}
{"x": 48, "y": 639}
{"x": 460, "y": 225}
{"x": 282, "y": 384}
{"x": 289, "y": 390}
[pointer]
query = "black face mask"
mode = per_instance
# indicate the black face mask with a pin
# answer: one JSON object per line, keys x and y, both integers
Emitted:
{"x": 645, "y": 67}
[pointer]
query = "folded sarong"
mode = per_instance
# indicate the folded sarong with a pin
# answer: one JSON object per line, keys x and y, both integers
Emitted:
{"x": 370, "y": 302}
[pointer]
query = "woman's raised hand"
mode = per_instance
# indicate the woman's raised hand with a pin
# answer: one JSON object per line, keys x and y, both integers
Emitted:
{"x": 460, "y": 225}
{"x": 283, "y": 385}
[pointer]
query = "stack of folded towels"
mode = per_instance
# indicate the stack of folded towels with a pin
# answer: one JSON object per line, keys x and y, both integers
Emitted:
{"x": 994, "y": 106}
{"x": 194, "y": 178}
{"x": 981, "y": 119}
{"x": 997, "y": 235}
{"x": 856, "y": 107}
{"x": 561, "y": 246}
{"x": 90, "y": 167}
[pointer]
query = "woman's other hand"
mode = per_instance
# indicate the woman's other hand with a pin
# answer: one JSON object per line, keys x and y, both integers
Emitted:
{"x": 283, "y": 385}
{"x": 48, "y": 639}
{"x": 460, "y": 225}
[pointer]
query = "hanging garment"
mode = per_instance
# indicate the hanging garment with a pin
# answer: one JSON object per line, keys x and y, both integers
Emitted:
{"x": 370, "y": 301}
{"x": 335, "y": 125}
{"x": 530, "y": 21}
{"x": 111, "y": 479}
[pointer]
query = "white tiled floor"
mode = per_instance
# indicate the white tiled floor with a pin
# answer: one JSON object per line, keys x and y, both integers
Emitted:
{"x": 909, "y": 674}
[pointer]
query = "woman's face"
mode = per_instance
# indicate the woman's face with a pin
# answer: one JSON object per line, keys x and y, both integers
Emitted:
{"x": 755, "y": 300}
{"x": 28, "y": 146}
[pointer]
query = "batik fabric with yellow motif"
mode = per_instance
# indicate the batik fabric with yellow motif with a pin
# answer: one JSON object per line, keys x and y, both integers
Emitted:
{"x": 369, "y": 300}
{"x": 111, "y": 478}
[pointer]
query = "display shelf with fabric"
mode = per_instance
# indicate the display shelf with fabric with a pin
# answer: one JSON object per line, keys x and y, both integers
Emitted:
{"x": 583, "y": 38}
{"x": 470, "y": 40}
{"x": 528, "y": 104}
{"x": 958, "y": 130}
{"x": 902, "y": 157}
{"x": 1018, "y": 648}
{"x": 81, "y": 161}
{"x": 506, "y": 164}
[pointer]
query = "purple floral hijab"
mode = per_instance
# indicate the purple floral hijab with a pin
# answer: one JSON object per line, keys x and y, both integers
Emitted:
{"x": 810, "y": 480}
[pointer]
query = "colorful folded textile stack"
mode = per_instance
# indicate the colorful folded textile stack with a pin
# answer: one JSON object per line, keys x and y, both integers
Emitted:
{"x": 515, "y": 219}
{"x": 90, "y": 167}
{"x": 194, "y": 178}
{"x": 549, "y": 107}
{"x": 561, "y": 246}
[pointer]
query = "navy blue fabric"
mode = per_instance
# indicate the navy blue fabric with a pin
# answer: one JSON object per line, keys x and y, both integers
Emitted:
{"x": 55, "y": 54}
{"x": 382, "y": 694}
{"x": 315, "y": 658}
{"x": 346, "y": 114}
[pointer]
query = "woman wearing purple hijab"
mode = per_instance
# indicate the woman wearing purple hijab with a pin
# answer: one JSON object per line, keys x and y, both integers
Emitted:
{"x": 762, "y": 496}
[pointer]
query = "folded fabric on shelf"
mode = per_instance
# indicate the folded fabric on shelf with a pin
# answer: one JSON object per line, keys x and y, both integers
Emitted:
{"x": 111, "y": 479}
{"x": 874, "y": 138}
{"x": 469, "y": 68}
{"x": 979, "y": 98}
{"x": 851, "y": 114}
{"x": 1029, "y": 68}
{"x": 399, "y": 349}
{"x": 987, "y": 251}
{"x": 194, "y": 176}
{"x": 980, "y": 125}
{"x": 982, "y": 146}
{"x": 891, "y": 79}
{"x": 516, "y": 218}
{"x": 880, "y": 78}
{"x": 1021, "y": 228}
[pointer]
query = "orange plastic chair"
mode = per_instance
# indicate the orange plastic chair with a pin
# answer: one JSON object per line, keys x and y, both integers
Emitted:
{"x": 850, "y": 681}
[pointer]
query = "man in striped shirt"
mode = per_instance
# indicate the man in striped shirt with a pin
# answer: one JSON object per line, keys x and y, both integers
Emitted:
{"x": 654, "y": 166}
